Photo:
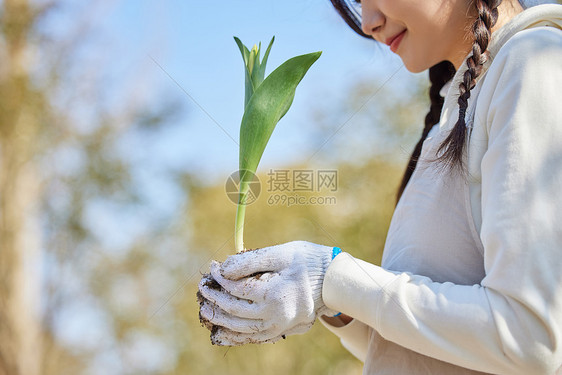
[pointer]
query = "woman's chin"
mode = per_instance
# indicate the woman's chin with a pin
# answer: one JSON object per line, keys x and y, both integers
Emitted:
{"x": 414, "y": 66}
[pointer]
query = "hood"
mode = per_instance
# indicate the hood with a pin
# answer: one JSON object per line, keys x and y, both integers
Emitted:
{"x": 540, "y": 15}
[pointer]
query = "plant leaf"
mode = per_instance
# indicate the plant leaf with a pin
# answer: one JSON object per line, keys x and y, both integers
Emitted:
{"x": 268, "y": 104}
{"x": 265, "y": 57}
{"x": 255, "y": 67}
{"x": 248, "y": 84}
{"x": 243, "y": 50}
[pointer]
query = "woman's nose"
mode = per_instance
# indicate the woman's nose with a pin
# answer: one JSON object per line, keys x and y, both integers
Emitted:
{"x": 371, "y": 18}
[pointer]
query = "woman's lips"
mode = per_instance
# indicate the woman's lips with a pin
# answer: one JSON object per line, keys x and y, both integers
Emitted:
{"x": 394, "y": 42}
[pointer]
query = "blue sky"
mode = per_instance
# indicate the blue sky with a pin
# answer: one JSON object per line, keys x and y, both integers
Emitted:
{"x": 184, "y": 51}
{"x": 149, "y": 53}
{"x": 186, "y": 48}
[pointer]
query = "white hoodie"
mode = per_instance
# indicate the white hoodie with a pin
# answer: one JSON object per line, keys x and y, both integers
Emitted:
{"x": 471, "y": 278}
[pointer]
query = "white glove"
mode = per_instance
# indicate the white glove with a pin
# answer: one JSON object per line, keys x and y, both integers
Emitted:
{"x": 263, "y": 295}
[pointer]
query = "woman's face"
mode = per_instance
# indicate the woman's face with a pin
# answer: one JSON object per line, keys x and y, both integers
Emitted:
{"x": 422, "y": 32}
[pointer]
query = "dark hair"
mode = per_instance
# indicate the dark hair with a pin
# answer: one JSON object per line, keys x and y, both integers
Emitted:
{"x": 452, "y": 149}
{"x": 439, "y": 74}
{"x": 453, "y": 145}
{"x": 349, "y": 16}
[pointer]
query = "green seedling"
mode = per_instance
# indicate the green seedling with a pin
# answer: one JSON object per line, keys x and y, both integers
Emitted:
{"x": 266, "y": 101}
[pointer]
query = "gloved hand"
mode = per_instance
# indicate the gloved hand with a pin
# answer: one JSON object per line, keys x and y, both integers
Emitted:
{"x": 263, "y": 295}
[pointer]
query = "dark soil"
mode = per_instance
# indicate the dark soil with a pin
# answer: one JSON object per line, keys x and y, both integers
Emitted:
{"x": 210, "y": 282}
{"x": 257, "y": 275}
{"x": 214, "y": 340}
{"x": 205, "y": 323}
{"x": 247, "y": 250}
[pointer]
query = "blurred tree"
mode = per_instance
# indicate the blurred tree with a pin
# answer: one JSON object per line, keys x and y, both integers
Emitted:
{"x": 66, "y": 150}
{"x": 20, "y": 104}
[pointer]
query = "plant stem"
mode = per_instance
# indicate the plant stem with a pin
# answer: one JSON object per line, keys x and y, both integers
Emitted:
{"x": 240, "y": 214}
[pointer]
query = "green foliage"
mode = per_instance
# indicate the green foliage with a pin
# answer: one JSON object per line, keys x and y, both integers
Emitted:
{"x": 270, "y": 102}
{"x": 266, "y": 102}
{"x": 253, "y": 69}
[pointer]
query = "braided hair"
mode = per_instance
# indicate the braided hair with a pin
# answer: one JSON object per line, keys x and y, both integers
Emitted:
{"x": 452, "y": 148}
{"x": 439, "y": 74}
{"x": 453, "y": 145}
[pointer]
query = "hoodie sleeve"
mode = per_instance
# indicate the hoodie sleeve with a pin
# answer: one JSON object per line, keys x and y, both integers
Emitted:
{"x": 510, "y": 323}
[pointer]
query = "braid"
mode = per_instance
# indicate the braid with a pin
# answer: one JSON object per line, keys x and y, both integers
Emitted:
{"x": 439, "y": 74}
{"x": 452, "y": 148}
{"x": 454, "y": 143}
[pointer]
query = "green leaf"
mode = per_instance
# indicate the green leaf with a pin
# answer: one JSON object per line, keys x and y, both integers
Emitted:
{"x": 261, "y": 74}
{"x": 255, "y": 67}
{"x": 268, "y": 104}
{"x": 243, "y": 50}
{"x": 254, "y": 70}
{"x": 248, "y": 84}
{"x": 265, "y": 103}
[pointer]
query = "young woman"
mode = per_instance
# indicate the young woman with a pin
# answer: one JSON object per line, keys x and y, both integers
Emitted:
{"x": 471, "y": 277}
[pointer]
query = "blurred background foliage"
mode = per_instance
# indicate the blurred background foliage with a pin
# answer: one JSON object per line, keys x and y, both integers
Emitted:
{"x": 102, "y": 244}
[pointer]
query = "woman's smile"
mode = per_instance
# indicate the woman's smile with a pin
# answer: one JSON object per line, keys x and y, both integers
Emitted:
{"x": 394, "y": 42}
{"x": 433, "y": 29}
